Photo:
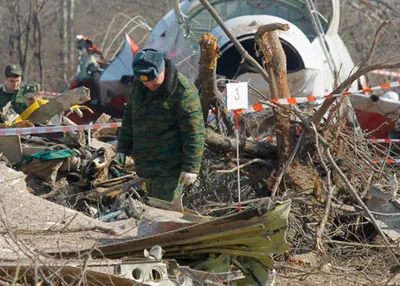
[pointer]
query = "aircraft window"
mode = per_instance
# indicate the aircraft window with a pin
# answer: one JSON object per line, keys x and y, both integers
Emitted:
{"x": 230, "y": 66}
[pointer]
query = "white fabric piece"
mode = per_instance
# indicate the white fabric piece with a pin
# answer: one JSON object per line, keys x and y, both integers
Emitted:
{"x": 187, "y": 178}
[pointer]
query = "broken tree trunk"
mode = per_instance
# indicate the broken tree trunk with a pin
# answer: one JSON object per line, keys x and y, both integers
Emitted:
{"x": 275, "y": 60}
{"x": 206, "y": 78}
{"x": 223, "y": 144}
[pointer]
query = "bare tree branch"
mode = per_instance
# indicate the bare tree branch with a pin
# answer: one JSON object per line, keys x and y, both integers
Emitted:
{"x": 245, "y": 55}
{"x": 275, "y": 60}
{"x": 362, "y": 70}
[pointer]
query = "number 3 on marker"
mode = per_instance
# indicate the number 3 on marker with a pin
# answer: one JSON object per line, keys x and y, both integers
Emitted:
{"x": 237, "y": 95}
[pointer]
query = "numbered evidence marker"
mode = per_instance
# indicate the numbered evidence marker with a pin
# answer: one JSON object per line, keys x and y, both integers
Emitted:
{"x": 237, "y": 95}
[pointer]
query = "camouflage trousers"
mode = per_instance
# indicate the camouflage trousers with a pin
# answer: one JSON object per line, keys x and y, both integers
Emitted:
{"x": 163, "y": 188}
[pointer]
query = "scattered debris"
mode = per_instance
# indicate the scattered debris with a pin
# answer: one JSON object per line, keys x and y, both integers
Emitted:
{"x": 318, "y": 198}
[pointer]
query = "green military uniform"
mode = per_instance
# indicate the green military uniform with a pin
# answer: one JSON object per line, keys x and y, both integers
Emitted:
{"x": 29, "y": 89}
{"x": 18, "y": 102}
{"x": 163, "y": 130}
{"x": 5, "y": 96}
{"x": 11, "y": 70}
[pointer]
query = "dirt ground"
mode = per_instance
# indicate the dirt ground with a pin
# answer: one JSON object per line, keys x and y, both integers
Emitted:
{"x": 360, "y": 268}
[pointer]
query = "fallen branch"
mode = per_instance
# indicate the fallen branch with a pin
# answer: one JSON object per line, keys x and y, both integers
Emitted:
{"x": 257, "y": 160}
{"x": 320, "y": 229}
{"x": 115, "y": 181}
{"x": 287, "y": 164}
{"x": 326, "y": 146}
{"x": 355, "y": 195}
{"x": 385, "y": 160}
{"x": 223, "y": 144}
{"x": 361, "y": 244}
{"x": 123, "y": 187}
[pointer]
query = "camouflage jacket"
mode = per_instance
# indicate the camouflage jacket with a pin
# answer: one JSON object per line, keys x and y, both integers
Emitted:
{"x": 163, "y": 130}
{"x": 5, "y": 97}
{"x": 18, "y": 102}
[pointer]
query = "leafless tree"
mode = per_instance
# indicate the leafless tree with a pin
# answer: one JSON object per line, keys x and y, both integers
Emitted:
{"x": 25, "y": 42}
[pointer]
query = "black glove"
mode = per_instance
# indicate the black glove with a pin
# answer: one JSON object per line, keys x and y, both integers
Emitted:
{"x": 92, "y": 69}
{"x": 126, "y": 79}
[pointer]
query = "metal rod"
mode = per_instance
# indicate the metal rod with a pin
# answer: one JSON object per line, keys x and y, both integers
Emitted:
{"x": 237, "y": 159}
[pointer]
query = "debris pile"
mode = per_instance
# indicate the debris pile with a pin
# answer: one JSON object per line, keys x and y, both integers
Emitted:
{"x": 316, "y": 195}
{"x": 92, "y": 214}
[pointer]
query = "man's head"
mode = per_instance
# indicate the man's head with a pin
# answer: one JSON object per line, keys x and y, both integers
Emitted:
{"x": 149, "y": 68}
{"x": 13, "y": 77}
{"x": 30, "y": 91}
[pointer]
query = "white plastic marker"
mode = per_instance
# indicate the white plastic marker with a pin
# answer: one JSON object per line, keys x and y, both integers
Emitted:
{"x": 386, "y": 72}
{"x": 237, "y": 99}
{"x": 54, "y": 129}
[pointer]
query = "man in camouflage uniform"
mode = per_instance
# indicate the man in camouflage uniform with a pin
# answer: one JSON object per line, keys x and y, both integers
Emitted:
{"x": 31, "y": 92}
{"x": 9, "y": 90}
{"x": 33, "y": 99}
{"x": 162, "y": 127}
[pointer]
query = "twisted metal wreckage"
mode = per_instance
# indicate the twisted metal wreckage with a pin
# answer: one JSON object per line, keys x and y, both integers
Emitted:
{"x": 230, "y": 248}
{"x": 74, "y": 214}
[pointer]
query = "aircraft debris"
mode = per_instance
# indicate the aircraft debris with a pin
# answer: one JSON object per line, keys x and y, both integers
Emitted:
{"x": 76, "y": 213}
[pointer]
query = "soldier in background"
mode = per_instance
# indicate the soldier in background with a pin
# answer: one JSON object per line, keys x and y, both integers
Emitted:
{"x": 12, "y": 81}
{"x": 162, "y": 127}
{"x": 30, "y": 92}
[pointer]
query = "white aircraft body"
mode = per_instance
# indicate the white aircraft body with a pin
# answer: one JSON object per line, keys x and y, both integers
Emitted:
{"x": 307, "y": 64}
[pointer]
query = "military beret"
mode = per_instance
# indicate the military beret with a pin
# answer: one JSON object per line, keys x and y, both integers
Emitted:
{"x": 13, "y": 70}
{"x": 30, "y": 89}
{"x": 148, "y": 64}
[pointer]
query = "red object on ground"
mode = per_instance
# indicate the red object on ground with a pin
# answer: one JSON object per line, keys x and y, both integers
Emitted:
{"x": 377, "y": 124}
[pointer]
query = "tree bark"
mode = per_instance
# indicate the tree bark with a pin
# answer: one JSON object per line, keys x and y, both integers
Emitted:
{"x": 206, "y": 79}
{"x": 207, "y": 72}
{"x": 37, "y": 36}
{"x": 64, "y": 36}
{"x": 275, "y": 60}
{"x": 223, "y": 144}
{"x": 71, "y": 52}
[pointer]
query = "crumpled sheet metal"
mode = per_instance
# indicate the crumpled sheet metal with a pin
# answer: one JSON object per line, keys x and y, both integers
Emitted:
{"x": 257, "y": 232}
{"x": 386, "y": 213}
